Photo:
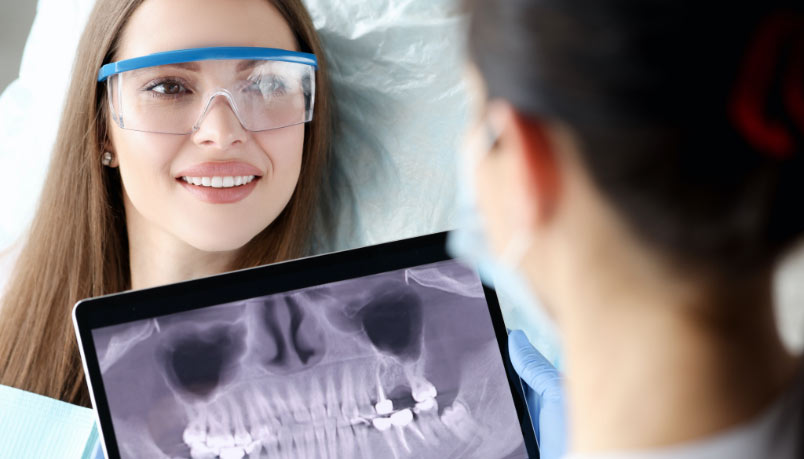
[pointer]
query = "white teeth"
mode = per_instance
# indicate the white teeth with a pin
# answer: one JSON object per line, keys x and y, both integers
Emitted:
{"x": 233, "y": 452}
{"x": 331, "y": 397}
{"x": 284, "y": 440}
{"x": 349, "y": 408}
{"x": 459, "y": 422}
{"x": 330, "y": 433}
{"x": 220, "y": 182}
{"x": 196, "y": 432}
{"x": 275, "y": 403}
{"x": 389, "y": 440}
{"x": 201, "y": 451}
{"x": 301, "y": 413}
{"x": 302, "y": 416}
{"x": 315, "y": 399}
{"x": 242, "y": 438}
{"x": 305, "y": 442}
{"x": 220, "y": 441}
{"x": 272, "y": 449}
{"x": 347, "y": 442}
{"x": 417, "y": 431}
{"x": 318, "y": 412}
{"x": 381, "y": 424}
{"x": 400, "y": 433}
{"x": 402, "y": 418}
{"x": 384, "y": 406}
{"x": 220, "y": 434}
{"x": 426, "y": 405}
{"x": 319, "y": 444}
{"x": 335, "y": 415}
{"x": 424, "y": 390}
{"x": 263, "y": 433}
{"x": 428, "y": 426}
{"x": 253, "y": 448}
{"x": 363, "y": 443}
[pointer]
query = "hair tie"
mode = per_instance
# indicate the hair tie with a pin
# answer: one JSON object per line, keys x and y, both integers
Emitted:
{"x": 756, "y": 78}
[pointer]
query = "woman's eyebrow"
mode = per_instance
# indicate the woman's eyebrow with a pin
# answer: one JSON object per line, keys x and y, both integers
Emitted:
{"x": 193, "y": 66}
{"x": 247, "y": 64}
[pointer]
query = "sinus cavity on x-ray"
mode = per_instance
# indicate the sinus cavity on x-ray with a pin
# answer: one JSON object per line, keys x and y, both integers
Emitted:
{"x": 394, "y": 365}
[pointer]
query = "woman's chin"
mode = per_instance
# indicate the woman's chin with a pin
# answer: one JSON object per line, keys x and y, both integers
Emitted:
{"x": 220, "y": 243}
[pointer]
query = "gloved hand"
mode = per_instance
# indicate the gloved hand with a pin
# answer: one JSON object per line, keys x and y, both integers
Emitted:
{"x": 544, "y": 394}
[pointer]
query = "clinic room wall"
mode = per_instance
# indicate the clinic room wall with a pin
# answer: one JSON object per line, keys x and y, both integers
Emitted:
{"x": 16, "y": 17}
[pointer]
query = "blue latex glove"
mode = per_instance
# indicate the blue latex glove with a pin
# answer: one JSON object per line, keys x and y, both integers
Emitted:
{"x": 544, "y": 394}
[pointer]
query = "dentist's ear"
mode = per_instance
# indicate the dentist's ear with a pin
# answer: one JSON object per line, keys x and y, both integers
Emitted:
{"x": 526, "y": 144}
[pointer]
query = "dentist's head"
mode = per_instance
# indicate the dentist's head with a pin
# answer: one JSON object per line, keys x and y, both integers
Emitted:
{"x": 641, "y": 166}
{"x": 610, "y": 135}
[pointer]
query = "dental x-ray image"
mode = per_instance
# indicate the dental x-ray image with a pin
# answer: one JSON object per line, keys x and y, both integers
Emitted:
{"x": 394, "y": 365}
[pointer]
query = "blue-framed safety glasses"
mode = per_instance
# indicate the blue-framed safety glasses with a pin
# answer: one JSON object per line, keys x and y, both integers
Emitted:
{"x": 172, "y": 92}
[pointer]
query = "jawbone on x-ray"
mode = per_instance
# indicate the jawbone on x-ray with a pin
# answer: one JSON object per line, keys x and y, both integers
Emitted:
{"x": 398, "y": 364}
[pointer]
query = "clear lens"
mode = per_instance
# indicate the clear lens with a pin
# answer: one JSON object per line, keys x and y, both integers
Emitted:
{"x": 174, "y": 99}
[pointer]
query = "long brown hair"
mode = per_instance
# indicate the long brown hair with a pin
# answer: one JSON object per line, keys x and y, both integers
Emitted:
{"x": 77, "y": 246}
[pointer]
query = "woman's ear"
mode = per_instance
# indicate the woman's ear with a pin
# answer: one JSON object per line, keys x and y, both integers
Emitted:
{"x": 532, "y": 165}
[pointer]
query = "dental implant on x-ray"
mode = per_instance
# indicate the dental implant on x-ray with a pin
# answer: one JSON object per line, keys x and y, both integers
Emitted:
{"x": 393, "y": 365}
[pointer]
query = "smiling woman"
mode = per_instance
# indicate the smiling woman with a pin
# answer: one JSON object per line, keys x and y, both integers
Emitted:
{"x": 185, "y": 167}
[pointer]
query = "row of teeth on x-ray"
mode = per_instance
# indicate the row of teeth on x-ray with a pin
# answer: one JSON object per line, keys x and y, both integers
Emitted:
{"x": 280, "y": 423}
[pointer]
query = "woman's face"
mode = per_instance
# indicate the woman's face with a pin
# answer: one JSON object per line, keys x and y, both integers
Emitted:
{"x": 159, "y": 203}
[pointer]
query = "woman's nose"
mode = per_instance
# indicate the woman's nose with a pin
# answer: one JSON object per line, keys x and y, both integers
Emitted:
{"x": 219, "y": 125}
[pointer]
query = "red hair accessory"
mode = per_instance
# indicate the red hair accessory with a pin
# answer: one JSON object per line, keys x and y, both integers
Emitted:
{"x": 747, "y": 108}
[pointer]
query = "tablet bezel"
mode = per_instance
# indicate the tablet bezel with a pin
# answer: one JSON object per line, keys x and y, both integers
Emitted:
{"x": 93, "y": 313}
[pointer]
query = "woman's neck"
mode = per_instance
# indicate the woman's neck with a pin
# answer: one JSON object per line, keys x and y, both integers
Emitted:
{"x": 653, "y": 362}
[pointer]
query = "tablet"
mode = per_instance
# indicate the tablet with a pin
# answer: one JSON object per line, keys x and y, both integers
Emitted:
{"x": 389, "y": 351}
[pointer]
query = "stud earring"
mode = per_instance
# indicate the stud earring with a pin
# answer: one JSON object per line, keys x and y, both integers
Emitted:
{"x": 107, "y": 159}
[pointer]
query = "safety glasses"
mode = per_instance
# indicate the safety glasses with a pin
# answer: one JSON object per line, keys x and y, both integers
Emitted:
{"x": 172, "y": 92}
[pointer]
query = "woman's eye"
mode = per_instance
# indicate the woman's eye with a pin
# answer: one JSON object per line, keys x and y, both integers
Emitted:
{"x": 168, "y": 88}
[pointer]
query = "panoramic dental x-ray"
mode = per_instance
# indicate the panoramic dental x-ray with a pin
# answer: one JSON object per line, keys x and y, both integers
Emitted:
{"x": 398, "y": 364}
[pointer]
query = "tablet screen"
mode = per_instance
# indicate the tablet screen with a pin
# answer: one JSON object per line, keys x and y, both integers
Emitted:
{"x": 403, "y": 363}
